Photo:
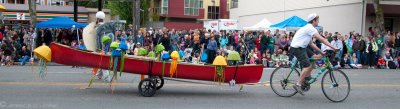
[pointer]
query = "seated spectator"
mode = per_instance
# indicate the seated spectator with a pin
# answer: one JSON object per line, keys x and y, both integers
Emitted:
{"x": 82, "y": 45}
{"x": 74, "y": 44}
{"x": 264, "y": 60}
{"x": 353, "y": 63}
{"x": 284, "y": 58}
{"x": 136, "y": 51}
{"x": 275, "y": 59}
{"x": 25, "y": 55}
{"x": 381, "y": 62}
{"x": 345, "y": 61}
{"x": 388, "y": 59}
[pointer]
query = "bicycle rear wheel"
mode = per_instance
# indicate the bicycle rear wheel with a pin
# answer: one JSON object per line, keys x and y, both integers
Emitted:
{"x": 335, "y": 85}
{"x": 280, "y": 85}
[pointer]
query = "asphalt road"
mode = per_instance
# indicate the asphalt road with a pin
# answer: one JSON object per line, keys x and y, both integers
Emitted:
{"x": 65, "y": 88}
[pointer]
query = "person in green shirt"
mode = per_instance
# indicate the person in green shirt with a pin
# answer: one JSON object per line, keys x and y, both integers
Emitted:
{"x": 379, "y": 42}
{"x": 284, "y": 58}
{"x": 275, "y": 59}
{"x": 271, "y": 42}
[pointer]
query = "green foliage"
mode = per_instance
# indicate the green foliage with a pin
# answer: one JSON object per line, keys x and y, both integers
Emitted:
{"x": 121, "y": 8}
{"x": 89, "y": 4}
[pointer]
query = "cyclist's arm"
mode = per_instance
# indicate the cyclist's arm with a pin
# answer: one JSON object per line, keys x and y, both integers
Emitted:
{"x": 324, "y": 41}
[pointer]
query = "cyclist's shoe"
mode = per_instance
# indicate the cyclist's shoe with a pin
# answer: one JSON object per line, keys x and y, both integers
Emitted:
{"x": 299, "y": 89}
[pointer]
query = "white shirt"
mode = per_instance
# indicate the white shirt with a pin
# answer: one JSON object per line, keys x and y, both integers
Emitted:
{"x": 303, "y": 36}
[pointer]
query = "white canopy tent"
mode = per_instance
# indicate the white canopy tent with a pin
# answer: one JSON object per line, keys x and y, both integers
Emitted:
{"x": 262, "y": 25}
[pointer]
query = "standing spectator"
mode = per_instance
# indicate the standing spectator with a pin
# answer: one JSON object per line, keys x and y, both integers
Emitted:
{"x": 397, "y": 45}
{"x": 166, "y": 42}
{"x": 264, "y": 41}
{"x": 223, "y": 41}
{"x": 249, "y": 41}
{"x": 48, "y": 37}
{"x": 139, "y": 38}
{"x": 271, "y": 42}
{"x": 283, "y": 43}
{"x": 379, "y": 41}
{"x": 211, "y": 50}
{"x": 147, "y": 40}
{"x": 358, "y": 47}
{"x": 258, "y": 41}
{"x": 337, "y": 42}
{"x": 174, "y": 37}
{"x": 372, "y": 48}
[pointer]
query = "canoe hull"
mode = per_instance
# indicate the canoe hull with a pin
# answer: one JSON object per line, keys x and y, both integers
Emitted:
{"x": 68, "y": 56}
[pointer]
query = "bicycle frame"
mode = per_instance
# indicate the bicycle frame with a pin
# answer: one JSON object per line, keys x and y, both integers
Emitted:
{"x": 321, "y": 70}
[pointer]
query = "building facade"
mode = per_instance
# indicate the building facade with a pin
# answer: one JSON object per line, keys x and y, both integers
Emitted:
{"x": 189, "y": 14}
{"x": 340, "y": 16}
{"x": 17, "y": 11}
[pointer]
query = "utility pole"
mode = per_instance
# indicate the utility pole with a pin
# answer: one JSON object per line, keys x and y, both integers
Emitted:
{"x": 136, "y": 15}
{"x": 76, "y": 10}
{"x": 100, "y": 5}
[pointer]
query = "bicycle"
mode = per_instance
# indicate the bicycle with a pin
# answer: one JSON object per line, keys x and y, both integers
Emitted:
{"x": 330, "y": 80}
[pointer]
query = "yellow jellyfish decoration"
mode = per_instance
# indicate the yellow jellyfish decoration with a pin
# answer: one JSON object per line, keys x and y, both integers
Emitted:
{"x": 44, "y": 54}
{"x": 174, "y": 63}
{"x": 219, "y": 63}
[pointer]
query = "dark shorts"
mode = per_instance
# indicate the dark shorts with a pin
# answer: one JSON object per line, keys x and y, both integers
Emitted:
{"x": 303, "y": 55}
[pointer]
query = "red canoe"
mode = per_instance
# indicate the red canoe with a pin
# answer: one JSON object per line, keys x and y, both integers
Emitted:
{"x": 68, "y": 56}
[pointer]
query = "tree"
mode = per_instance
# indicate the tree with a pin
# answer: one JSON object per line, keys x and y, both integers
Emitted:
{"x": 32, "y": 12}
{"x": 123, "y": 9}
{"x": 379, "y": 20}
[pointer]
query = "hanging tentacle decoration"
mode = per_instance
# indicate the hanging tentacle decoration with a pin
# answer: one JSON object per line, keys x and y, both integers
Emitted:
{"x": 165, "y": 58}
{"x": 115, "y": 53}
{"x": 44, "y": 54}
{"x": 219, "y": 63}
{"x": 159, "y": 48}
{"x": 106, "y": 40}
{"x": 123, "y": 46}
{"x": 174, "y": 63}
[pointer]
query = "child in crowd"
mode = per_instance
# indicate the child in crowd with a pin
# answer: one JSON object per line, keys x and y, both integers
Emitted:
{"x": 284, "y": 58}
{"x": 136, "y": 50}
{"x": 275, "y": 60}
{"x": 381, "y": 62}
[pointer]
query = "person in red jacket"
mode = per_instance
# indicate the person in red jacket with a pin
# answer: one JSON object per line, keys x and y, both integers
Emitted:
{"x": 381, "y": 62}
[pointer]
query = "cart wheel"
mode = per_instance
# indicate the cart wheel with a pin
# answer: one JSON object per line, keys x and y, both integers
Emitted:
{"x": 147, "y": 87}
{"x": 159, "y": 82}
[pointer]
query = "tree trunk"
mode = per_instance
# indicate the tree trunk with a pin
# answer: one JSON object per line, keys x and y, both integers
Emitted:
{"x": 379, "y": 20}
{"x": 151, "y": 10}
{"x": 32, "y": 12}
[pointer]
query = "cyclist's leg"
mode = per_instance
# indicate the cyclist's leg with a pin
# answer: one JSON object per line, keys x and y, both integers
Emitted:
{"x": 302, "y": 55}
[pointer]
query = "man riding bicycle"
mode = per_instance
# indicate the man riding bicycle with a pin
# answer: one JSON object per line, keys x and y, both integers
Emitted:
{"x": 299, "y": 48}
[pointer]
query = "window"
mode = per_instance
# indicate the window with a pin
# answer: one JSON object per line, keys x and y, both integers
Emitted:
{"x": 56, "y": 2}
{"x": 234, "y": 3}
{"x": 213, "y": 12}
{"x": 192, "y": 7}
{"x": 164, "y": 7}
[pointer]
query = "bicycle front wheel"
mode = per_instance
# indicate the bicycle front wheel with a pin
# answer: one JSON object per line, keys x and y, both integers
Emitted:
{"x": 282, "y": 81}
{"x": 335, "y": 85}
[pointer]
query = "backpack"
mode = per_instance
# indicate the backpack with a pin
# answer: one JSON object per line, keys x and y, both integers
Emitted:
{"x": 392, "y": 65}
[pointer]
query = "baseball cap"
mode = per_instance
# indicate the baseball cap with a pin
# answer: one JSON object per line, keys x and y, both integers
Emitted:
{"x": 311, "y": 17}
